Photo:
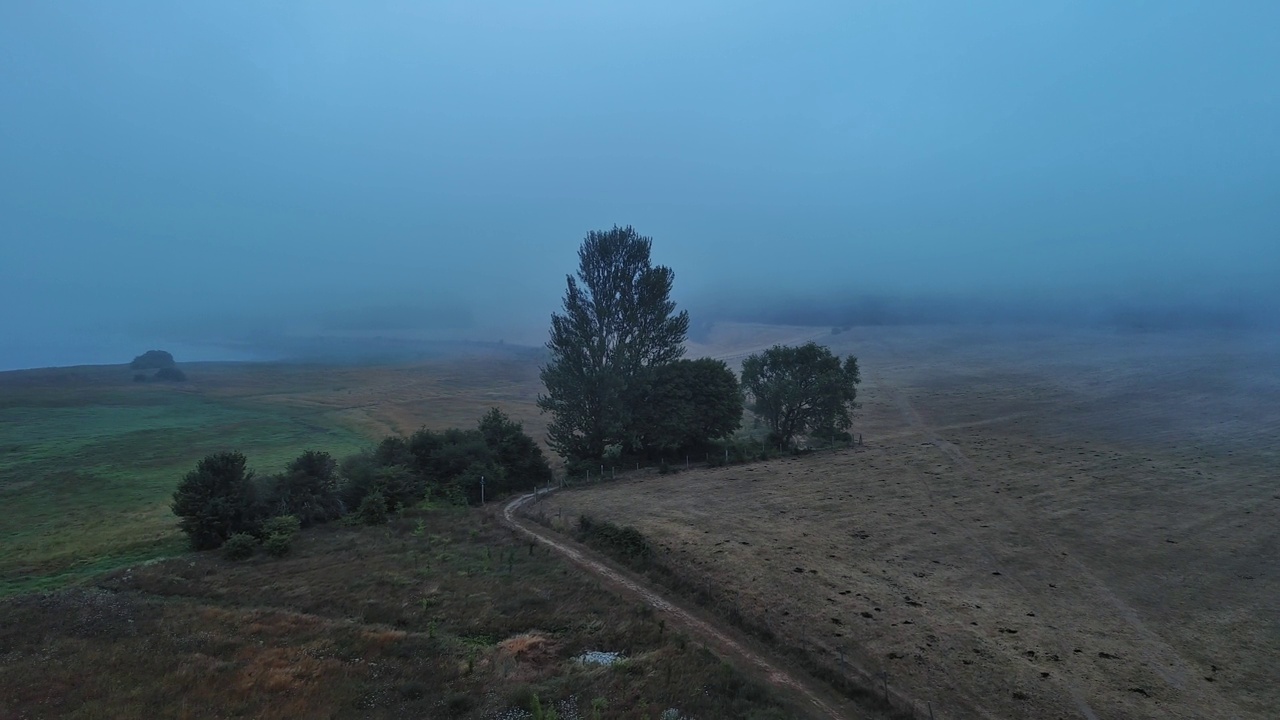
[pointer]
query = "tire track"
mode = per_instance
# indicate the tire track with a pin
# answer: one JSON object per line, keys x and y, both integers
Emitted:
{"x": 913, "y": 418}
{"x": 709, "y": 633}
{"x": 1156, "y": 654}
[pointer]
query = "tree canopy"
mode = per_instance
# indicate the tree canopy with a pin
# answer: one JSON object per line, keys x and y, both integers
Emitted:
{"x": 216, "y": 500}
{"x": 152, "y": 359}
{"x": 307, "y": 489}
{"x": 618, "y": 321}
{"x": 682, "y": 405}
{"x": 803, "y": 390}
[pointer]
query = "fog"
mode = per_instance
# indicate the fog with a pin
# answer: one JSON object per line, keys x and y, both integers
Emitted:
{"x": 234, "y": 180}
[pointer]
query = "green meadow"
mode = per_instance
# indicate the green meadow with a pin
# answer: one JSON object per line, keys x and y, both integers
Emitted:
{"x": 89, "y": 459}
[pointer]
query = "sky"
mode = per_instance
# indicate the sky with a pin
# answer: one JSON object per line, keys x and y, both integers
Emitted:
{"x": 211, "y": 175}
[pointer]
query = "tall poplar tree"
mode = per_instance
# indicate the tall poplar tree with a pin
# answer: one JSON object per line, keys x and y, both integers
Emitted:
{"x": 618, "y": 321}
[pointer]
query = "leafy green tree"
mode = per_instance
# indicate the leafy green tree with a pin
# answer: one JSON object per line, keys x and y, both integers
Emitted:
{"x": 466, "y": 484}
{"x": 801, "y": 390}
{"x": 442, "y": 457}
{"x": 365, "y": 473}
{"x": 618, "y": 320}
{"x": 393, "y": 450}
{"x": 524, "y": 464}
{"x": 216, "y": 500}
{"x": 683, "y": 405}
{"x": 151, "y": 360}
{"x": 307, "y": 489}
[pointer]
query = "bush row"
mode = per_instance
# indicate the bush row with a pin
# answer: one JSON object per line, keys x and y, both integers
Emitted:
{"x": 222, "y": 498}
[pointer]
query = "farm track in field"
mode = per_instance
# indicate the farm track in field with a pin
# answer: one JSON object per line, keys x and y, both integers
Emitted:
{"x": 725, "y": 641}
{"x": 1076, "y": 526}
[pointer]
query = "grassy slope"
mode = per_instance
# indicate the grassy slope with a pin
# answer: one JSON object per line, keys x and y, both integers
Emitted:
{"x": 88, "y": 458}
{"x": 441, "y": 614}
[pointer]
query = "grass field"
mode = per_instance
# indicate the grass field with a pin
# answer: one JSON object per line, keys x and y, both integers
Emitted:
{"x": 89, "y": 459}
{"x": 1038, "y": 525}
{"x": 442, "y": 614}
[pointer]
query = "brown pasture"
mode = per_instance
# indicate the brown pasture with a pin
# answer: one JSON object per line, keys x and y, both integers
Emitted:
{"x": 1037, "y": 524}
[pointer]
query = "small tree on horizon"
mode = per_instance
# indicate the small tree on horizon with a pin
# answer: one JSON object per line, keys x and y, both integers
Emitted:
{"x": 618, "y": 320}
{"x": 801, "y": 390}
{"x": 152, "y": 359}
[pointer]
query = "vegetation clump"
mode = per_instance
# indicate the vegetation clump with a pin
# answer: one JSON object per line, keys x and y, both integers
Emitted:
{"x": 683, "y": 405}
{"x": 307, "y": 490}
{"x": 278, "y": 534}
{"x": 152, "y": 360}
{"x": 162, "y": 362}
{"x": 803, "y": 390}
{"x": 623, "y": 542}
{"x": 216, "y": 500}
{"x": 373, "y": 509}
{"x": 615, "y": 383}
{"x": 240, "y": 546}
{"x": 221, "y": 497}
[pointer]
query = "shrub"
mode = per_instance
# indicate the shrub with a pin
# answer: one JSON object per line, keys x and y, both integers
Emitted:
{"x": 623, "y": 543}
{"x": 216, "y": 500}
{"x": 240, "y": 546}
{"x": 278, "y": 534}
{"x": 284, "y": 525}
{"x": 524, "y": 464}
{"x": 307, "y": 489}
{"x": 277, "y": 545}
{"x": 369, "y": 472}
{"x": 373, "y": 509}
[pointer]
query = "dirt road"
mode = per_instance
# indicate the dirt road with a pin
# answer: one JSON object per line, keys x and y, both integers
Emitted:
{"x": 820, "y": 699}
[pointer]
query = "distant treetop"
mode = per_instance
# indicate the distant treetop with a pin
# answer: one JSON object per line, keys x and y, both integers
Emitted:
{"x": 152, "y": 359}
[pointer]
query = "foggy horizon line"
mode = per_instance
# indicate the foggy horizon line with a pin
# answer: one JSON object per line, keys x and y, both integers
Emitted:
{"x": 397, "y": 333}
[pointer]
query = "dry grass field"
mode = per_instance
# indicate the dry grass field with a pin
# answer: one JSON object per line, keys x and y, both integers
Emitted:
{"x": 443, "y": 613}
{"x": 1039, "y": 524}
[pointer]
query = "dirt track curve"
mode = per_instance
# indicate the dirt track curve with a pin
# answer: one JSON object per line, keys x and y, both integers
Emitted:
{"x": 708, "y": 633}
